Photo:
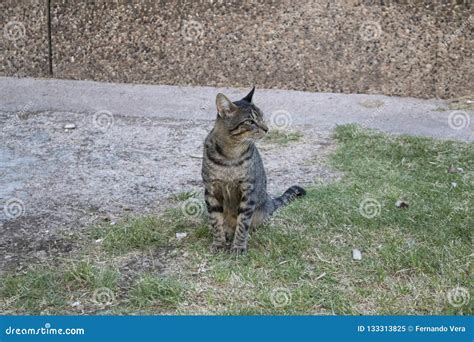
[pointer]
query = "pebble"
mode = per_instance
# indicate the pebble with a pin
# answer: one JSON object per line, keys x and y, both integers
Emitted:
{"x": 401, "y": 204}
{"x": 356, "y": 254}
{"x": 69, "y": 126}
{"x": 180, "y": 236}
{"x": 453, "y": 169}
{"x": 75, "y": 304}
{"x": 454, "y": 184}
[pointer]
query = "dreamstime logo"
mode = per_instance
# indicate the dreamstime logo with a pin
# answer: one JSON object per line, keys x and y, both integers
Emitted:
{"x": 281, "y": 119}
{"x": 103, "y": 296}
{"x": 370, "y": 30}
{"x": 24, "y": 289}
{"x": 14, "y": 208}
{"x": 459, "y": 296}
{"x": 103, "y": 120}
{"x": 14, "y": 30}
{"x": 369, "y": 208}
{"x": 192, "y": 30}
{"x": 192, "y": 208}
{"x": 280, "y": 297}
{"x": 458, "y": 120}
{"x": 25, "y": 109}
{"x": 451, "y": 37}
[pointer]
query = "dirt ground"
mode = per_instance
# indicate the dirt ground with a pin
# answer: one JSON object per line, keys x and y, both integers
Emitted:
{"x": 132, "y": 146}
{"x": 63, "y": 180}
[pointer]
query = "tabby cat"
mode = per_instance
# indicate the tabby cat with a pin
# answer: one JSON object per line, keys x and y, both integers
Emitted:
{"x": 233, "y": 174}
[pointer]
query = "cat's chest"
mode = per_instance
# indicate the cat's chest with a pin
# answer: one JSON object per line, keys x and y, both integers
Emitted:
{"x": 228, "y": 174}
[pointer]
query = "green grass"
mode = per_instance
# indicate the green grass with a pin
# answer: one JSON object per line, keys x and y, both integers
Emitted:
{"x": 463, "y": 103}
{"x": 50, "y": 289}
{"x": 28, "y": 292}
{"x": 183, "y": 196}
{"x": 281, "y": 137}
{"x": 130, "y": 234}
{"x": 300, "y": 262}
{"x": 84, "y": 274}
{"x": 156, "y": 291}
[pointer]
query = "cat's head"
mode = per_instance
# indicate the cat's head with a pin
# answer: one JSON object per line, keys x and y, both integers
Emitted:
{"x": 242, "y": 120}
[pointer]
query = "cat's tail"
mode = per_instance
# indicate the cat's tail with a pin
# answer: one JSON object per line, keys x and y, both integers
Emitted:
{"x": 289, "y": 195}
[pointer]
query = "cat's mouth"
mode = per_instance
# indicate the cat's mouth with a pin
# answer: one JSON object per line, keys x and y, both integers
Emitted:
{"x": 263, "y": 127}
{"x": 262, "y": 130}
{"x": 260, "y": 134}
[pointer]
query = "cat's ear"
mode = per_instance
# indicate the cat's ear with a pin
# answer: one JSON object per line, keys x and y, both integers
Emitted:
{"x": 249, "y": 96}
{"x": 225, "y": 107}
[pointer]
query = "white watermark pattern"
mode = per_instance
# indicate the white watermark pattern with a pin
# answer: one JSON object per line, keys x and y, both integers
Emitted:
{"x": 21, "y": 114}
{"x": 14, "y": 30}
{"x": 14, "y": 208}
{"x": 458, "y": 296}
{"x": 459, "y": 119}
{"x": 370, "y": 30}
{"x": 103, "y": 296}
{"x": 280, "y": 297}
{"x": 192, "y": 208}
{"x": 370, "y": 208}
{"x": 281, "y": 119}
{"x": 461, "y": 29}
{"x": 103, "y": 120}
{"x": 192, "y": 30}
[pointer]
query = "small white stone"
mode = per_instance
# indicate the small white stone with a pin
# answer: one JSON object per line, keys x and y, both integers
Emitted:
{"x": 99, "y": 240}
{"x": 76, "y": 304}
{"x": 69, "y": 126}
{"x": 180, "y": 236}
{"x": 356, "y": 254}
{"x": 401, "y": 204}
{"x": 454, "y": 184}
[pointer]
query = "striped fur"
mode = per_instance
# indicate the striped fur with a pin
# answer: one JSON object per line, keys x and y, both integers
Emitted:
{"x": 234, "y": 177}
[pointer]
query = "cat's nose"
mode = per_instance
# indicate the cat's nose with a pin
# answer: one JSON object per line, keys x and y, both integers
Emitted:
{"x": 264, "y": 127}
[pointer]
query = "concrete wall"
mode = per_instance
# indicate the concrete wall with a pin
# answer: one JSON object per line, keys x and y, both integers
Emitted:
{"x": 408, "y": 48}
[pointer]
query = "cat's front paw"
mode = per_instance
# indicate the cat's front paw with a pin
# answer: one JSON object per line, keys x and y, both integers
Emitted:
{"x": 218, "y": 247}
{"x": 238, "y": 250}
